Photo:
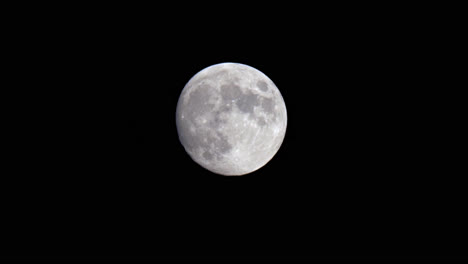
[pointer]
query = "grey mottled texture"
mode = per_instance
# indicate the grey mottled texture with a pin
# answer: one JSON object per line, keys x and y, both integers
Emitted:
{"x": 231, "y": 119}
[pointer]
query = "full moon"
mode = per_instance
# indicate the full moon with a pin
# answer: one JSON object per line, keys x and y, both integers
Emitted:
{"x": 231, "y": 119}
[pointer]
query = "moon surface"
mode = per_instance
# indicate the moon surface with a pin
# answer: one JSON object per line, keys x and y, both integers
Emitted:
{"x": 231, "y": 119}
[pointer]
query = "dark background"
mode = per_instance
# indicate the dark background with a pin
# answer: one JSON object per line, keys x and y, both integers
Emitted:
{"x": 364, "y": 170}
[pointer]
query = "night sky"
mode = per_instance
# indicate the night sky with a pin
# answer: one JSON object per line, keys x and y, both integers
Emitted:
{"x": 362, "y": 172}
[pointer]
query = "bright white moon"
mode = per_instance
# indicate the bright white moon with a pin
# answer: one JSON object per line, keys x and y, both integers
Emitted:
{"x": 231, "y": 119}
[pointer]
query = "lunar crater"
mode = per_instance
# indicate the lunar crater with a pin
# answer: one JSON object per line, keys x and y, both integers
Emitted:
{"x": 262, "y": 85}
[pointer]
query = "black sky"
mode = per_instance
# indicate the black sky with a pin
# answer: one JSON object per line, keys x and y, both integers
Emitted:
{"x": 361, "y": 173}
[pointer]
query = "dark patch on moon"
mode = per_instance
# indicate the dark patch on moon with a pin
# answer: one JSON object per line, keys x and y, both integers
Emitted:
{"x": 225, "y": 108}
{"x": 262, "y": 86}
{"x": 244, "y": 101}
{"x": 230, "y": 92}
{"x": 247, "y": 102}
{"x": 217, "y": 120}
{"x": 208, "y": 155}
{"x": 261, "y": 121}
{"x": 268, "y": 105}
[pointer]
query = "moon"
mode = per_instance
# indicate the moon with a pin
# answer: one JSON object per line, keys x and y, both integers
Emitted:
{"x": 231, "y": 119}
